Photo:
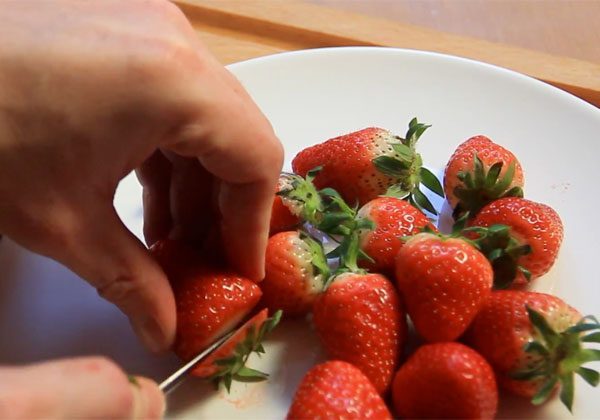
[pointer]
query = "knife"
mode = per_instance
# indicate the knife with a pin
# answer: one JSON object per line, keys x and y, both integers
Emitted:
{"x": 178, "y": 376}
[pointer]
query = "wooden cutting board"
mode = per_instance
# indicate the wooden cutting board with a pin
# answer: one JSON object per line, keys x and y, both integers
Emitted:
{"x": 237, "y": 30}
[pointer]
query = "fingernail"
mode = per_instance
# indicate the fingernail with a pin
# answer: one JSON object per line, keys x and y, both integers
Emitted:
{"x": 149, "y": 400}
{"x": 151, "y": 334}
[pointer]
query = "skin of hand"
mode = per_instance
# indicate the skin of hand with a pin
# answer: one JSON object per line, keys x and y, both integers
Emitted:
{"x": 89, "y": 91}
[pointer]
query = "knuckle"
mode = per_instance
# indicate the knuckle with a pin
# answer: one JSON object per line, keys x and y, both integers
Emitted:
{"x": 169, "y": 9}
{"x": 119, "y": 291}
{"x": 163, "y": 60}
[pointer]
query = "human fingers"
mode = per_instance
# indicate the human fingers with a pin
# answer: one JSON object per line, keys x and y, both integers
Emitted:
{"x": 89, "y": 387}
{"x": 155, "y": 176}
{"x": 233, "y": 140}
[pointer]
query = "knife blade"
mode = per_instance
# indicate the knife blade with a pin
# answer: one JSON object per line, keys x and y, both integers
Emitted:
{"x": 180, "y": 374}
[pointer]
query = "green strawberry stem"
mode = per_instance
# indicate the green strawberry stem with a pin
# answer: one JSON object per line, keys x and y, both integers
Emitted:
{"x": 502, "y": 250}
{"x": 480, "y": 187}
{"x": 234, "y": 367}
{"x": 560, "y": 355}
{"x": 406, "y": 167}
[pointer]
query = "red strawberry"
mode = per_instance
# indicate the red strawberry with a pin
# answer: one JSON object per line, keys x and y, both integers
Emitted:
{"x": 360, "y": 319}
{"x": 528, "y": 247}
{"x": 364, "y": 164}
{"x": 479, "y": 172}
{"x": 295, "y": 273}
{"x": 296, "y": 200}
{"x": 282, "y": 218}
{"x": 444, "y": 281}
{"x": 337, "y": 390}
{"x": 533, "y": 342}
{"x": 394, "y": 219}
{"x": 445, "y": 380}
{"x": 228, "y": 361}
{"x": 210, "y": 303}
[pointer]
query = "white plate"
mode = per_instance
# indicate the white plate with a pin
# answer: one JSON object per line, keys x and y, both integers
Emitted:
{"x": 310, "y": 96}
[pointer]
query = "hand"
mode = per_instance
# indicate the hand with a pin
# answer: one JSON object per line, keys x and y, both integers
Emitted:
{"x": 76, "y": 388}
{"x": 91, "y": 90}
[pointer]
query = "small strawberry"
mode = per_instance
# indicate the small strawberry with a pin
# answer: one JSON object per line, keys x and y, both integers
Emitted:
{"x": 534, "y": 343}
{"x": 282, "y": 218}
{"x": 365, "y": 164}
{"x": 479, "y": 172}
{"x": 337, "y": 390}
{"x": 526, "y": 246}
{"x": 394, "y": 219}
{"x": 444, "y": 281}
{"x": 228, "y": 362}
{"x": 210, "y": 303}
{"x": 296, "y": 200}
{"x": 445, "y": 380}
{"x": 360, "y": 319}
{"x": 295, "y": 273}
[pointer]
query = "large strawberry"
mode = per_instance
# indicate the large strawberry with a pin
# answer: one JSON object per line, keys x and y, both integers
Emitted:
{"x": 228, "y": 361}
{"x": 444, "y": 281}
{"x": 295, "y": 272}
{"x": 365, "y": 164}
{"x": 479, "y": 172}
{"x": 337, "y": 390}
{"x": 393, "y": 219}
{"x": 210, "y": 303}
{"x": 360, "y": 319}
{"x": 527, "y": 244}
{"x": 445, "y": 380}
{"x": 534, "y": 343}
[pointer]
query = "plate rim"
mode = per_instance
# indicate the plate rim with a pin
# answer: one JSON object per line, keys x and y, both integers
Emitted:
{"x": 380, "y": 50}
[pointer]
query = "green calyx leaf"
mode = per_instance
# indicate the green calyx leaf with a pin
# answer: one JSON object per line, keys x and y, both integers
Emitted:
{"x": 405, "y": 166}
{"x": 304, "y": 195}
{"x": 318, "y": 259}
{"x": 414, "y": 133}
{"x": 559, "y": 355}
{"x": 502, "y": 250}
{"x": 234, "y": 367}
{"x": 479, "y": 187}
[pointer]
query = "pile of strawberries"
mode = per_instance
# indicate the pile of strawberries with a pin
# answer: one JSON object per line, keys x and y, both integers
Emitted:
{"x": 353, "y": 250}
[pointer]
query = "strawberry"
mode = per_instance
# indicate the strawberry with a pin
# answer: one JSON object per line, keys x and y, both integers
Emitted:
{"x": 365, "y": 164}
{"x": 296, "y": 200}
{"x": 228, "y": 361}
{"x": 479, "y": 172}
{"x": 359, "y": 319}
{"x": 337, "y": 390}
{"x": 394, "y": 219}
{"x": 295, "y": 273}
{"x": 282, "y": 218}
{"x": 534, "y": 343}
{"x": 445, "y": 380}
{"x": 526, "y": 246}
{"x": 444, "y": 281}
{"x": 210, "y": 303}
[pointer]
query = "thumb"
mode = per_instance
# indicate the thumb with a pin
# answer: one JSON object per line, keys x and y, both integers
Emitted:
{"x": 113, "y": 260}
{"x": 89, "y": 387}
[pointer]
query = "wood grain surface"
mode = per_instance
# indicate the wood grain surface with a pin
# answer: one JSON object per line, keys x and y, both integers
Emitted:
{"x": 240, "y": 29}
{"x": 562, "y": 27}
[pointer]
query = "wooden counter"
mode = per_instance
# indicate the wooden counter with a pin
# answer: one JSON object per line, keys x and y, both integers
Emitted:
{"x": 240, "y": 29}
